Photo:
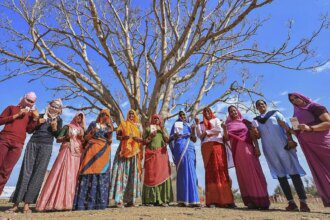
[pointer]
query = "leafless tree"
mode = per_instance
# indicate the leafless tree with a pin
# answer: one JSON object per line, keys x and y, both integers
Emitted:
{"x": 158, "y": 55}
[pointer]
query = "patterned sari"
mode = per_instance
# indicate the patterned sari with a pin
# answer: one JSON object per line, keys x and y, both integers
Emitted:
{"x": 94, "y": 173}
{"x": 126, "y": 171}
{"x": 157, "y": 186}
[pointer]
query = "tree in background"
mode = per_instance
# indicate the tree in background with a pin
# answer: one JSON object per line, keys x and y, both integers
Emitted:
{"x": 159, "y": 56}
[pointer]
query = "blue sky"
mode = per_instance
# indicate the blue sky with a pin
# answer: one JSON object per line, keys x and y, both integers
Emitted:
{"x": 275, "y": 85}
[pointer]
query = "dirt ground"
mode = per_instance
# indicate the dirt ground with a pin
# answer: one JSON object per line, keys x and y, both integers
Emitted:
{"x": 173, "y": 212}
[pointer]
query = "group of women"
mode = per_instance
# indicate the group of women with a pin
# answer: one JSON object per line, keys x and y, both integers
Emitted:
{"x": 82, "y": 178}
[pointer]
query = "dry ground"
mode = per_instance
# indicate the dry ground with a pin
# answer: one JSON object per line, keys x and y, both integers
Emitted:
{"x": 173, "y": 212}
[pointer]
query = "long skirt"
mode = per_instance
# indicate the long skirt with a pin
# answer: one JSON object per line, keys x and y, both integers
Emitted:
{"x": 157, "y": 186}
{"x": 217, "y": 181}
{"x": 316, "y": 147}
{"x": 59, "y": 189}
{"x": 125, "y": 184}
{"x": 185, "y": 160}
{"x": 33, "y": 171}
{"x": 251, "y": 180}
{"x": 92, "y": 192}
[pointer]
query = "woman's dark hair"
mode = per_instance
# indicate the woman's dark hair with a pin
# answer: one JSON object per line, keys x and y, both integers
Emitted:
{"x": 260, "y": 100}
{"x": 231, "y": 106}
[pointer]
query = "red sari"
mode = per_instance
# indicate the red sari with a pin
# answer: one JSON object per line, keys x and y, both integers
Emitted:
{"x": 217, "y": 181}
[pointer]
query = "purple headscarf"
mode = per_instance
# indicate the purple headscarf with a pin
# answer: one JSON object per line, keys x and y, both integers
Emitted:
{"x": 300, "y": 111}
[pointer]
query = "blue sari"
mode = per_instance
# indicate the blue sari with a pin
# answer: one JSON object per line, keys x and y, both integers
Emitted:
{"x": 183, "y": 151}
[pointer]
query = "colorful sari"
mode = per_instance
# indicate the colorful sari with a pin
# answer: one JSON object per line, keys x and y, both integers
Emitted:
{"x": 251, "y": 180}
{"x": 59, "y": 189}
{"x": 315, "y": 145}
{"x": 94, "y": 173}
{"x": 127, "y": 168}
{"x": 184, "y": 156}
{"x": 217, "y": 181}
{"x": 157, "y": 185}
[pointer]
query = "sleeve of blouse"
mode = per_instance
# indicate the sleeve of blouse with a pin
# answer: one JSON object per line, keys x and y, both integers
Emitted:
{"x": 63, "y": 132}
{"x": 281, "y": 117}
{"x": 216, "y": 129}
{"x": 318, "y": 110}
{"x": 199, "y": 130}
{"x": 6, "y": 116}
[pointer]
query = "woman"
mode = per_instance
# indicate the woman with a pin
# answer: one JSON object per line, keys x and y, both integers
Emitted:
{"x": 127, "y": 167}
{"x": 37, "y": 156}
{"x": 16, "y": 121}
{"x": 251, "y": 180}
{"x": 217, "y": 181}
{"x": 182, "y": 146}
{"x": 314, "y": 139}
{"x": 157, "y": 186}
{"x": 280, "y": 153}
{"x": 94, "y": 173}
{"x": 59, "y": 189}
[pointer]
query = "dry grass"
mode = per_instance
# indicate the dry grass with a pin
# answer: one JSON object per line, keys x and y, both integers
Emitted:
{"x": 173, "y": 212}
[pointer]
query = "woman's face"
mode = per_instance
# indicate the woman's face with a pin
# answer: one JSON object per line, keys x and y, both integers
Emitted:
{"x": 233, "y": 113}
{"x": 79, "y": 119}
{"x": 103, "y": 117}
{"x": 156, "y": 121}
{"x": 208, "y": 114}
{"x": 182, "y": 116}
{"x": 54, "y": 108}
{"x": 297, "y": 101}
{"x": 262, "y": 107}
{"x": 131, "y": 116}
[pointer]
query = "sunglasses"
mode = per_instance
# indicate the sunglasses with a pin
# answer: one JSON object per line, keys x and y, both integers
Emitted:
{"x": 30, "y": 101}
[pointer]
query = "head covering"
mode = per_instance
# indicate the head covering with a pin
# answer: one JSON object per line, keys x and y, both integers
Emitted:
{"x": 136, "y": 119}
{"x": 206, "y": 122}
{"x": 52, "y": 112}
{"x": 314, "y": 110}
{"x": 23, "y": 103}
{"x": 236, "y": 127}
{"x": 83, "y": 121}
{"x": 104, "y": 111}
{"x": 129, "y": 147}
{"x": 159, "y": 118}
{"x": 308, "y": 101}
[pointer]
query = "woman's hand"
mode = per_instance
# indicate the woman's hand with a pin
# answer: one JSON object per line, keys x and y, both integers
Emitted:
{"x": 254, "y": 132}
{"x": 125, "y": 138}
{"x": 292, "y": 144}
{"x": 35, "y": 114}
{"x": 53, "y": 124}
{"x": 204, "y": 134}
{"x": 304, "y": 127}
{"x": 196, "y": 121}
{"x": 137, "y": 139}
{"x": 257, "y": 151}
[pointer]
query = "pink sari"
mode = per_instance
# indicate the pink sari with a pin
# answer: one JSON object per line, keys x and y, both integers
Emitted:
{"x": 251, "y": 180}
{"x": 316, "y": 146}
{"x": 59, "y": 189}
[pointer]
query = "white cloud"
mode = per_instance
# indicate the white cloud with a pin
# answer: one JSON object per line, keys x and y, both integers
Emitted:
{"x": 284, "y": 93}
{"x": 124, "y": 104}
{"x": 323, "y": 68}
